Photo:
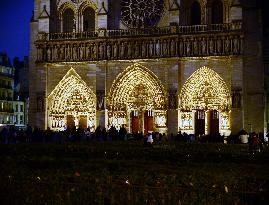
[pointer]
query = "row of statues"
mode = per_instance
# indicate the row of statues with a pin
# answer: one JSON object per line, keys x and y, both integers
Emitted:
{"x": 144, "y": 48}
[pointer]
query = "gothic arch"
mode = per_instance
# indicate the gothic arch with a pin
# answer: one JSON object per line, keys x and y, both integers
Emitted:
{"x": 136, "y": 88}
{"x": 67, "y": 5}
{"x": 205, "y": 104}
{"x": 195, "y": 13}
{"x": 72, "y": 97}
{"x": 88, "y": 15}
{"x": 205, "y": 90}
{"x": 131, "y": 77}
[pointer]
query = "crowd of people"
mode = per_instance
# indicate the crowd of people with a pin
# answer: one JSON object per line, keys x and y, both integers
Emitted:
{"x": 11, "y": 135}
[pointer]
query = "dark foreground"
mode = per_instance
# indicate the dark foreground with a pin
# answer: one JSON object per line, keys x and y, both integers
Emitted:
{"x": 129, "y": 173}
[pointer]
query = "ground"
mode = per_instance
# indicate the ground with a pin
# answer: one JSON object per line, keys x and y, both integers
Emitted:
{"x": 129, "y": 173}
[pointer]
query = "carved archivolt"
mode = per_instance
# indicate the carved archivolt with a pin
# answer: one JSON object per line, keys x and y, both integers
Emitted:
{"x": 205, "y": 90}
{"x": 71, "y": 97}
{"x": 137, "y": 88}
{"x": 76, "y": 5}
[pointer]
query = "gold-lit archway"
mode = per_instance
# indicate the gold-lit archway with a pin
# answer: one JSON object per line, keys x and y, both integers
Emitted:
{"x": 204, "y": 90}
{"x": 71, "y": 99}
{"x": 137, "y": 89}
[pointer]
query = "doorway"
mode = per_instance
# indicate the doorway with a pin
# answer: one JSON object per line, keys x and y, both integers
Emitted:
{"x": 148, "y": 122}
{"x": 70, "y": 122}
{"x": 213, "y": 122}
{"x": 199, "y": 122}
{"x": 83, "y": 122}
{"x": 135, "y": 122}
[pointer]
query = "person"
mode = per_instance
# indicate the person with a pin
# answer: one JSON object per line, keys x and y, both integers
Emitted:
{"x": 243, "y": 137}
{"x": 122, "y": 132}
{"x": 150, "y": 139}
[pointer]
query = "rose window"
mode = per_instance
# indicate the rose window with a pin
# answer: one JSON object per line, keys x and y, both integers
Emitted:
{"x": 141, "y": 13}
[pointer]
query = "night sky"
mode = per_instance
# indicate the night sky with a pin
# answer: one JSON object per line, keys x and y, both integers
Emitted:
{"x": 15, "y": 18}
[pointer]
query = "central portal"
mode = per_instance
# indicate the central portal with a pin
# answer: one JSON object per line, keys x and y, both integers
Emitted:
{"x": 141, "y": 122}
{"x": 138, "y": 100}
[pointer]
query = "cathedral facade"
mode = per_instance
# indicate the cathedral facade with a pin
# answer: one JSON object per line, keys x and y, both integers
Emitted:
{"x": 156, "y": 65}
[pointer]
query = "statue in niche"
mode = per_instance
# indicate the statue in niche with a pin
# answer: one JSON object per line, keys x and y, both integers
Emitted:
{"x": 236, "y": 45}
{"x": 188, "y": 48}
{"x": 211, "y": 46}
{"x": 195, "y": 47}
{"x": 137, "y": 49}
{"x": 55, "y": 53}
{"x": 122, "y": 50}
{"x": 151, "y": 48}
{"x": 101, "y": 51}
{"x": 236, "y": 99}
{"x": 100, "y": 100}
{"x": 181, "y": 48}
{"x": 94, "y": 51}
{"x": 81, "y": 55}
{"x": 144, "y": 50}
{"x": 108, "y": 51}
{"x": 172, "y": 100}
{"x": 158, "y": 50}
{"x": 49, "y": 54}
{"x": 87, "y": 49}
{"x": 115, "y": 50}
{"x": 203, "y": 45}
{"x": 129, "y": 47}
{"x": 227, "y": 45}
{"x": 62, "y": 56}
{"x": 67, "y": 52}
{"x": 165, "y": 50}
{"x": 219, "y": 46}
{"x": 74, "y": 52}
{"x": 172, "y": 48}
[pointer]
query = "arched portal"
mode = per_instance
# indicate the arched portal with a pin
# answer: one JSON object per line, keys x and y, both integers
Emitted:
{"x": 138, "y": 99}
{"x": 71, "y": 104}
{"x": 205, "y": 103}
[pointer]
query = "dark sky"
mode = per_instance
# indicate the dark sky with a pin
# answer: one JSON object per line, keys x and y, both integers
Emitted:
{"x": 15, "y": 18}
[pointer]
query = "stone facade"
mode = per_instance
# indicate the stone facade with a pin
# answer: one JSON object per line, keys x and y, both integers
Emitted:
{"x": 167, "y": 50}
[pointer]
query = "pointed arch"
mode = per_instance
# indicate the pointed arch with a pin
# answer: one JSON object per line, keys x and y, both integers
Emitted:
{"x": 205, "y": 90}
{"x": 137, "y": 90}
{"x": 72, "y": 97}
{"x": 131, "y": 78}
{"x": 195, "y": 13}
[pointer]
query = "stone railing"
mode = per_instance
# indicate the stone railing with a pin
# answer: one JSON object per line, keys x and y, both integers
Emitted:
{"x": 142, "y": 32}
{"x": 146, "y": 47}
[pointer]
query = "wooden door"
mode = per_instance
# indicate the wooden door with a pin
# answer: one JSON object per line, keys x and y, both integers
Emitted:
{"x": 135, "y": 122}
{"x": 70, "y": 122}
{"x": 83, "y": 122}
{"x": 199, "y": 122}
{"x": 148, "y": 122}
{"x": 213, "y": 122}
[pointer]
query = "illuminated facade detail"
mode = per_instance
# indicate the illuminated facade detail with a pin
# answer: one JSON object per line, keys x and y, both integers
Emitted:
{"x": 72, "y": 101}
{"x": 205, "y": 91}
{"x": 137, "y": 90}
{"x": 140, "y": 13}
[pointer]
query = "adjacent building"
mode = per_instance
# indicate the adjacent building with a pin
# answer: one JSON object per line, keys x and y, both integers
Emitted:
{"x": 12, "y": 110}
{"x": 160, "y": 65}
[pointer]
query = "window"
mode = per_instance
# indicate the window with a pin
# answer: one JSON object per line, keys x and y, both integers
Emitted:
{"x": 195, "y": 13}
{"x": 69, "y": 23}
{"x": 21, "y": 108}
{"x": 88, "y": 19}
{"x": 16, "y": 108}
{"x": 217, "y": 12}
